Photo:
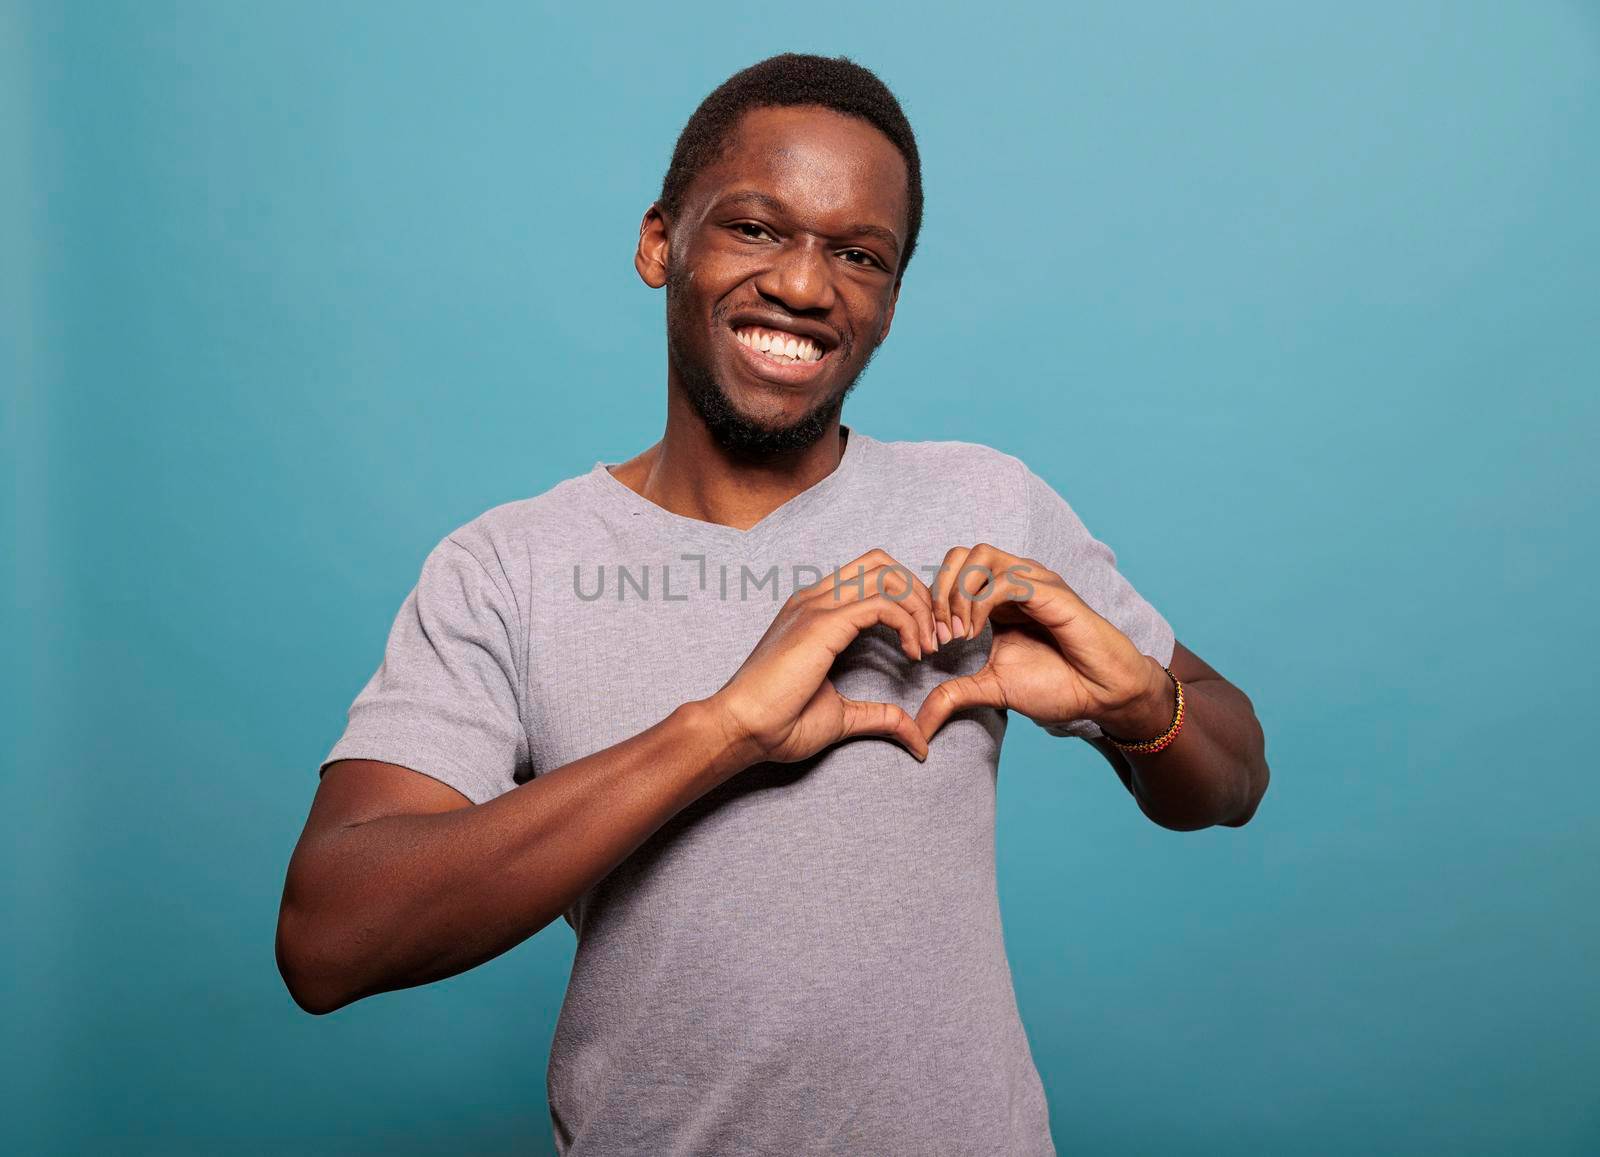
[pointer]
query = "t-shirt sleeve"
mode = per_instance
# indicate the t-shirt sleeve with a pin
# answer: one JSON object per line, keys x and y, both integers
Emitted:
{"x": 1057, "y": 537}
{"x": 445, "y": 701}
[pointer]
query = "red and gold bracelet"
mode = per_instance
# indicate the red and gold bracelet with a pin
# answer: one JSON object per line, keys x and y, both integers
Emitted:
{"x": 1151, "y": 746}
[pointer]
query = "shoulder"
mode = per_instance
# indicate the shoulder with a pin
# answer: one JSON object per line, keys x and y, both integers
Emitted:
{"x": 985, "y": 472}
{"x": 1026, "y": 513}
{"x": 501, "y": 537}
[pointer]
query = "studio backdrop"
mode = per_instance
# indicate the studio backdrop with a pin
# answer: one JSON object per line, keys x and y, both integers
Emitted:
{"x": 1297, "y": 304}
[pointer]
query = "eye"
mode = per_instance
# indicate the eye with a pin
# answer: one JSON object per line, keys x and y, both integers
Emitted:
{"x": 752, "y": 231}
{"x": 861, "y": 257}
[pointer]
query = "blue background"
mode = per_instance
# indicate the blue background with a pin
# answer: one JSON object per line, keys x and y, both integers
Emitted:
{"x": 1297, "y": 304}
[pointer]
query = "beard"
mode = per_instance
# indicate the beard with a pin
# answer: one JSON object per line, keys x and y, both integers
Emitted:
{"x": 736, "y": 433}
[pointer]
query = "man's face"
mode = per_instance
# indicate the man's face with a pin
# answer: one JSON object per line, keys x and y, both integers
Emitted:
{"x": 780, "y": 274}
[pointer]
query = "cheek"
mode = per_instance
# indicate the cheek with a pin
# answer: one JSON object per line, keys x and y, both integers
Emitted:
{"x": 714, "y": 258}
{"x": 707, "y": 285}
{"x": 869, "y": 317}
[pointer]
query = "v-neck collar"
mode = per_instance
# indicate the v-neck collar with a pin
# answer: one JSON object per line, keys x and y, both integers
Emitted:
{"x": 856, "y": 447}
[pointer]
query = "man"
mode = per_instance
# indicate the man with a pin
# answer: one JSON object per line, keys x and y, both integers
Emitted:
{"x": 734, "y": 707}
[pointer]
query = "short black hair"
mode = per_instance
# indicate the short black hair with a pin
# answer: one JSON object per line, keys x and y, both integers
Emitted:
{"x": 787, "y": 80}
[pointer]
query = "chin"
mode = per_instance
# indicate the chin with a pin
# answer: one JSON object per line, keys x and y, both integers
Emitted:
{"x": 769, "y": 406}
{"x": 796, "y": 422}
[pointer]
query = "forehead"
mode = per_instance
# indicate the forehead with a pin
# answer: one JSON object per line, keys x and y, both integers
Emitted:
{"x": 818, "y": 162}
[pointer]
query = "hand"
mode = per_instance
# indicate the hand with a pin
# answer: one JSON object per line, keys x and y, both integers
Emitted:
{"x": 780, "y": 705}
{"x": 1053, "y": 658}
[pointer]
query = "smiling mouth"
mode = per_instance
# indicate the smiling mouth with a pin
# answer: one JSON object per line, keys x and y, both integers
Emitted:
{"x": 779, "y": 347}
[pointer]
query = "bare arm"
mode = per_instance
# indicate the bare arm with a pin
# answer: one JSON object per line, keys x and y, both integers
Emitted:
{"x": 1215, "y": 772}
{"x": 1056, "y": 660}
{"x": 399, "y": 880}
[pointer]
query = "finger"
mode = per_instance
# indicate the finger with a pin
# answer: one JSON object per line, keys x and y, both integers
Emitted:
{"x": 854, "y": 579}
{"x": 940, "y": 588}
{"x": 973, "y": 575}
{"x": 849, "y": 575}
{"x": 989, "y": 584}
{"x": 904, "y": 587}
{"x": 836, "y": 586}
{"x": 874, "y": 609}
{"x": 887, "y": 720}
{"x": 1010, "y": 586}
{"x": 1040, "y": 594}
{"x": 893, "y": 580}
{"x": 978, "y": 690}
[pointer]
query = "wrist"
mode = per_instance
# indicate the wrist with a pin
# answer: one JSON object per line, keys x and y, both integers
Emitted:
{"x": 727, "y": 750}
{"x": 1148, "y": 712}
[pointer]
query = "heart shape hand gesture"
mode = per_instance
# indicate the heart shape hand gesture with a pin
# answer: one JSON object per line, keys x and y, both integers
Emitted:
{"x": 1053, "y": 658}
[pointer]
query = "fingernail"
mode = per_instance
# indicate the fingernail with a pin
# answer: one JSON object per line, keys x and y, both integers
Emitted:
{"x": 958, "y": 627}
{"x": 941, "y": 630}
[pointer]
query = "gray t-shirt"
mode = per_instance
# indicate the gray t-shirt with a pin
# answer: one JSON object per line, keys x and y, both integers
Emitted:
{"x": 809, "y": 958}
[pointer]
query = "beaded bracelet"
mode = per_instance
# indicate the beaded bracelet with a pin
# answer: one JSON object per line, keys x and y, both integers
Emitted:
{"x": 1151, "y": 746}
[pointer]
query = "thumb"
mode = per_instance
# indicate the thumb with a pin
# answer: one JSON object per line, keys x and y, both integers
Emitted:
{"x": 978, "y": 690}
{"x": 885, "y": 719}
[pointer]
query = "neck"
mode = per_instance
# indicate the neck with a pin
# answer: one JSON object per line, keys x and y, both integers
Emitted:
{"x": 689, "y": 474}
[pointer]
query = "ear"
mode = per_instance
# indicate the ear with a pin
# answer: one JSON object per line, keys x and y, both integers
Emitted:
{"x": 650, "y": 258}
{"x": 888, "y": 318}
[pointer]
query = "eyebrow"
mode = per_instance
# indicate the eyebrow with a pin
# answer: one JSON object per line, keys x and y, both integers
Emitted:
{"x": 750, "y": 196}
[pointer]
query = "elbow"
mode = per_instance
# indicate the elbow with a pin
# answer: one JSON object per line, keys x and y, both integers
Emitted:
{"x": 1258, "y": 775}
{"x": 1247, "y": 812}
{"x": 1220, "y": 803}
{"x": 1232, "y": 804}
{"x": 316, "y": 979}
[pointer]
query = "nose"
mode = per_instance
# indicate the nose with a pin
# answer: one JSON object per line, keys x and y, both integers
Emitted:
{"x": 799, "y": 279}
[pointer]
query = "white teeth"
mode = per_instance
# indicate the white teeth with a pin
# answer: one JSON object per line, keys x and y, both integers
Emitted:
{"x": 780, "y": 346}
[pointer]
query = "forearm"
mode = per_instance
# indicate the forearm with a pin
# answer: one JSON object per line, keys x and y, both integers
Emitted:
{"x": 402, "y": 900}
{"x": 1214, "y": 772}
